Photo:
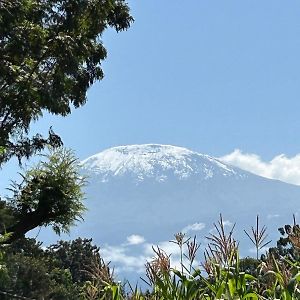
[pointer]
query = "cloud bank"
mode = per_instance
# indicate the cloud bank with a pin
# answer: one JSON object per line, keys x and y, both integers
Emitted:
{"x": 120, "y": 256}
{"x": 132, "y": 255}
{"x": 280, "y": 167}
{"x": 135, "y": 239}
{"x": 193, "y": 227}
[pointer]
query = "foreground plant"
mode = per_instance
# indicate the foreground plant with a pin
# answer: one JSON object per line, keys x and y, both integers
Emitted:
{"x": 50, "y": 194}
{"x": 222, "y": 264}
{"x": 258, "y": 237}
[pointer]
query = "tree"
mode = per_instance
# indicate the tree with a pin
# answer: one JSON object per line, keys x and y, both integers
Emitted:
{"x": 288, "y": 245}
{"x": 79, "y": 256}
{"x": 51, "y": 53}
{"x": 50, "y": 194}
{"x": 72, "y": 270}
{"x": 62, "y": 271}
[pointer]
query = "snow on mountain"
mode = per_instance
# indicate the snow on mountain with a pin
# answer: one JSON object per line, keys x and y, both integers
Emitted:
{"x": 140, "y": 195}
{"x": 154, "y": 161}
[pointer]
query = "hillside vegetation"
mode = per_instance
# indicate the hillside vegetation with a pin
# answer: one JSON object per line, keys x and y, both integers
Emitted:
{"x": 75, "y": 270}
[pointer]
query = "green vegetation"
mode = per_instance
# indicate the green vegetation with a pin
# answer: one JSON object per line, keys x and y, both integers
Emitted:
{"x": 75, "y": 270}
{"x": 51, "y": 53}
{"x": 49, "y": 195}
{"x": 57, "y": 272}
{"x": 223, "y": 275}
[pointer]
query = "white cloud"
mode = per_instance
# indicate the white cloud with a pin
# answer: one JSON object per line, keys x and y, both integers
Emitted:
{"x": 228, "y": 223}
{"x": 272, "y": 216}
{"x": 168, "y": 247}
{"x": 118, "y": 255}
{"x": 193, "y": 227}
{"x": 280, "y": 167}
{"x": 123, "y": 259}
{"x": 135, "y": 239}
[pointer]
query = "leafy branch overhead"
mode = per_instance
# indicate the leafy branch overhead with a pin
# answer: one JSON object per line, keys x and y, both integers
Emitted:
{"x": 51, "y": 53}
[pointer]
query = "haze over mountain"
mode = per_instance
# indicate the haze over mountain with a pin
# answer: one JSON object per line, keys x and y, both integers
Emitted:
{"x": 141, "y": 195}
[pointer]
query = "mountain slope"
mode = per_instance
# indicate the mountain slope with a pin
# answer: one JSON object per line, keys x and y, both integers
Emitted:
{"x": 148, "y": 186}
{"x": 153, "y": 191}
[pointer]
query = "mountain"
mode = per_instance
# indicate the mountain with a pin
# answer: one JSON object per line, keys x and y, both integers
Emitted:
{"x": 141, "y": 195}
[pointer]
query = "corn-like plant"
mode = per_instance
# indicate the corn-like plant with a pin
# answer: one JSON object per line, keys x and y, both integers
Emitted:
{"x": 219, "y": 276}
{"x": 170, "y": 283}
{"x": 225, "y": 279}
{"x": 222, "y": 246}
{"x": 102, "y": 281}
{"x": 258, "y": 237}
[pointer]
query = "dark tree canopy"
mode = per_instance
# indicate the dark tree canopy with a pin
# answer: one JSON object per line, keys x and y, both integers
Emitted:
{"x": 59, "y": 272}
{"x": 79, "y": 256}
{"x": 50, "y": 53}
{"x": 288, "y": 244}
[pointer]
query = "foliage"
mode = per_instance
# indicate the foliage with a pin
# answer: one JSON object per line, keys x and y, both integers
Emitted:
{"x": 49, "y": 194}
{"x": 78, "y": 256}
{"x": 29, "y": 276}
{"x": 61, "y": 271}
{"x": 51, "y": 53}
{"x": 75, "y": 270}
{"x": 289, "y": 243}
{"x": 223, "y": 276}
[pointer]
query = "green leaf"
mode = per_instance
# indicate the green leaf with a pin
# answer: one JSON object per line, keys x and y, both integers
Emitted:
{"x": 252, "y": 296}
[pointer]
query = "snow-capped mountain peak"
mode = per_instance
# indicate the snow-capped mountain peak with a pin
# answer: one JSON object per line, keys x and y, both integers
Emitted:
{"x": 154, "y": 161}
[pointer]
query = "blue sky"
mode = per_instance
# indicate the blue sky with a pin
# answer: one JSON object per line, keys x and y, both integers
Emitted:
{"x": 208, "y": 75}
{"x": 211, "y": 76}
